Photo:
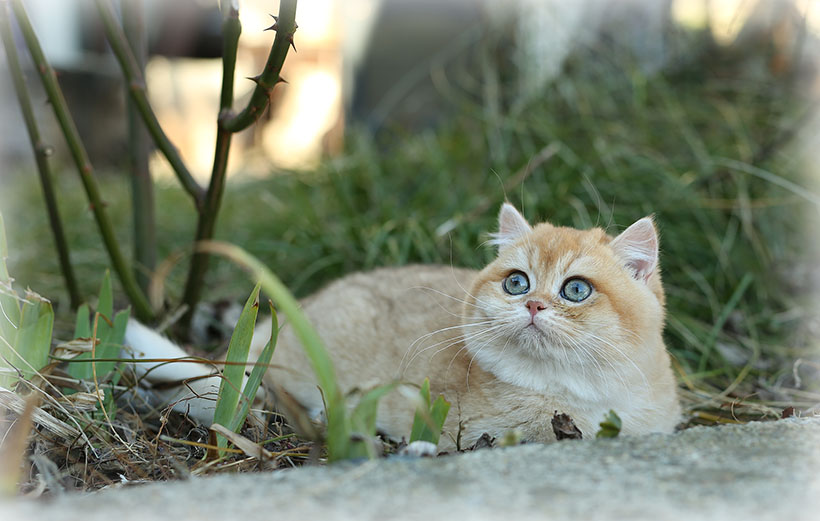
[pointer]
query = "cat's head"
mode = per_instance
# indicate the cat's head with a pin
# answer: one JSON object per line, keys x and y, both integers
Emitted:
{"x": 562, "y": 299}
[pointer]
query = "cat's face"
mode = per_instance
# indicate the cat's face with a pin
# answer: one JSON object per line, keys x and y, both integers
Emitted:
{"x": 561, "y": 299}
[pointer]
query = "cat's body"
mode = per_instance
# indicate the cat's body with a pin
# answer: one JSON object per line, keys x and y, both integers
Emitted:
{"x": 563, "y": 320}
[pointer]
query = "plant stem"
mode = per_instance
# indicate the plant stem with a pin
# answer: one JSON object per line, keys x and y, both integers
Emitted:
{"x": 142, "y": 189}
{"x": 86, "y": 171}
{"x": 136, "y": 88}
{"x": 41, "y": 153}
{"x": 229, "y": 123}
{"x": 285, "y": 28}
{"x": 231, "y": 29}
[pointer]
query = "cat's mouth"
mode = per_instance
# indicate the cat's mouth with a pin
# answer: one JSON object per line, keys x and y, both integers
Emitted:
{"x": 532, "y": 326}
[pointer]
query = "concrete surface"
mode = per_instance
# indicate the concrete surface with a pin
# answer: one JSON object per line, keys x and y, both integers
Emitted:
{"x": 757, "y": 471}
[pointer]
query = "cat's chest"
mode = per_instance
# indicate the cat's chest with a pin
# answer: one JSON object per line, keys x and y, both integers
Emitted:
{"x": 498, "y": 407}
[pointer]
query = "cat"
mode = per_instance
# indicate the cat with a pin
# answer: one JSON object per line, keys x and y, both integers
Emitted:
{"x": 563, "y": 320}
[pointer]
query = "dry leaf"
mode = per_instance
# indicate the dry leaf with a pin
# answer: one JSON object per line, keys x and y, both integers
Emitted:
{"x": 242, "y": 443}
{"x": 17, "y": 404}
{"x": 564, "y": 428}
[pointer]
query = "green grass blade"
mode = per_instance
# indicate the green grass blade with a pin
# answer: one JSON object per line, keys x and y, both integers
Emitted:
{"x": 33, "y": 342}
{"x": 9, "y": 320}
{"x": 82, "y": 324}
{"x": 730, "y": 306}
{"x": 114, "y": 343}
{"x": 429, "y": 420}
{"x": 4, "y": 251}
{"x": 83, "y": 329}
{"x": 237, "y": 357}
{"x": 105, "y": 307}
{"x": 438, "y": 412}
{"x": 9, "y": 315}
{"x": 255, "y": 379}
{"x": 363, "y": 421}
{"x": 338, "y": 423}
{"x": 419, "y": 420}
{"x": 110, "y": 339}
{"x": 110, "y": 336}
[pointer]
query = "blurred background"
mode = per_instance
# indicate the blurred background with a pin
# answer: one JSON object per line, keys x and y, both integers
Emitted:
{"x": 377, "y": 63}
{"x": 405, "y": 123}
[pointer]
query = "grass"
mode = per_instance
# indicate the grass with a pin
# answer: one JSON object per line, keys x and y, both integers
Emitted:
{"x": 692, "y": 144}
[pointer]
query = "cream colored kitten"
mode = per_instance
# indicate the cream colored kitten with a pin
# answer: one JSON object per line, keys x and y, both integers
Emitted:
{"x": 562, "y": 320}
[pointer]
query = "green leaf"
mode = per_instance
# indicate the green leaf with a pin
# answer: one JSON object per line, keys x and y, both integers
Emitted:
{"x": 255, "y": 379}
{"x": 363, "y": 421}
{"x": 338, "y": 424}
{"x": 9, "y": 316}
{"x": 429, "y": 420}
{"x": 610, "y": 427}
{"x": 105, "y": 308}
{"x": 33, "y": 341}
{"x": 4, "y": 251}
{"x": 236, "y": 358}
{"x": 110, "y": 336}
{"x": 114, "y": 344}
{"x": 82, "y": 328}
{"x": 9, "y": 320}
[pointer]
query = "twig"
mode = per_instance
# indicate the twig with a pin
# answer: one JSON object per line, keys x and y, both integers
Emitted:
{"x": 231, "y": 29}
{"x": 41, "y": 153}
{"x": 86, "y": 171}
{"x": 142, "y": 190}
{"x": 285, "y": 28}
{"x": 136, "y": 88}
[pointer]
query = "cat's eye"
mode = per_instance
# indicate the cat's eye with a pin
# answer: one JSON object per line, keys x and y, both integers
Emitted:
{"x": 516, "y": 283}
{"x": 576, "y": 290}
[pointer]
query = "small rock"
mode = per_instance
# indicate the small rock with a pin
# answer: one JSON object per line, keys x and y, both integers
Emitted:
{"x": 419, "y": 449}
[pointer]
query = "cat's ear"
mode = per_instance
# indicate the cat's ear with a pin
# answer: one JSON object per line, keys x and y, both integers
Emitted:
{"x": 511, "y": 226}
{"x": 637, "y": 246}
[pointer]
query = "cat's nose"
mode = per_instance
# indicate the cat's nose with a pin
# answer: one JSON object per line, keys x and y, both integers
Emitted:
{"x": 535, "y": 306}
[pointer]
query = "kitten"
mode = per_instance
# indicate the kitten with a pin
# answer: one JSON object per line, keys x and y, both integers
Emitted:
{"x": 562, "y": 320}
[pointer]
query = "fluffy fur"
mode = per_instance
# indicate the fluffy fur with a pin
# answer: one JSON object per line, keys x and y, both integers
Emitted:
{"x": 476, "y": 344}
{"x": 504, "y": 361}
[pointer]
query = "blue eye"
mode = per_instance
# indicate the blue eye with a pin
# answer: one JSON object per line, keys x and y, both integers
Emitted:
{"x": 576, "y": 290}
{"x": 516, "y": 283}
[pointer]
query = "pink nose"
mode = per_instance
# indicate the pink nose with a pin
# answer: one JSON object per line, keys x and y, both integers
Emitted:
{"x": 535, "y": 306}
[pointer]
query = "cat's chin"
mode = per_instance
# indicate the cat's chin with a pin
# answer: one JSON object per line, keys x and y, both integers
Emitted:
{"x": 544, "y": 372}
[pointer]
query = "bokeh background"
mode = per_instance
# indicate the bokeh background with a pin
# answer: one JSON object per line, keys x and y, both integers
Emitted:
{"x": 405, "y": 123}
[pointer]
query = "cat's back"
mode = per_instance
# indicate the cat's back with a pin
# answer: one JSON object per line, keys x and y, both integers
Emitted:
{"x": 375, "y": 325}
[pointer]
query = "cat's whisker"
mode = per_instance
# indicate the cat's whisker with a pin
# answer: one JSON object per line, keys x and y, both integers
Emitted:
{"x": 475, "y": 354}
{"x": 445, "y": 329}
{"x": 443, "y": 294}
{"x": 441, "y": 330}
{"x": 464, "y": 338}
{"x": 467, "y": 344}
{"x": 484, "y": 304}
{"x": 624, "y": 355}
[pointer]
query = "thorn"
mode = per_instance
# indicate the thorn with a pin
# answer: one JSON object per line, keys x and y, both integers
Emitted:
{"x": 290, "y": 39}
{"x": 256, "y": 79}
{"x": 274, "y": 27}
{"x": 281, "y": 80}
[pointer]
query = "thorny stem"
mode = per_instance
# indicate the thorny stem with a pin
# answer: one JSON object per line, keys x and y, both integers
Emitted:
{"x": 142, "y": 189}
{"x": 86, "y": 171}
{"x": 231, "y": 29}
{"x": 136, "y": 88}
{"x": 229, "y": 123}
{"x": 41, "y": 153}
{"x": 285, "y": 27}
